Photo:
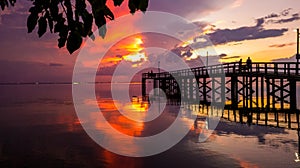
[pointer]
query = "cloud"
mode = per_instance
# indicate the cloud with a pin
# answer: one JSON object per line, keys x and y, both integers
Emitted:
{"x": 293, "y": 18}
{"x": 280, "y": 18}
{"x": 226, "y": 57}
{"x": 282, "y": 45}
{"x": 222, "y": 36}
{"x": 288, "y": 59}
{"x": 201, "y": 24}
{"x": 272, "y": 15}
{"x": 182, "y": 51}
{"x": 286, "y": 12}
{"x": 222, "y": 55}
{"x": 237, "y": 3}
{"x": 55, "y": 64}
{"x": 231, "y": 57}
{"x": 188, "y": 8}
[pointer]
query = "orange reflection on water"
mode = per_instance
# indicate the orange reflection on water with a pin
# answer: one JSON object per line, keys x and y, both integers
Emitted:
{"x": 245, "y": 164}
{"x": 121, "y": 122}
{"x": 114, "y": 124}
{"x": 139, "y": 107}
{"x": 113, "y": 161}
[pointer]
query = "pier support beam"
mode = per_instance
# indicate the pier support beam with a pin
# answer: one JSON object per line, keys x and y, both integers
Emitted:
{"x": 144, "y": 87}
{"x": 293, "y": 96}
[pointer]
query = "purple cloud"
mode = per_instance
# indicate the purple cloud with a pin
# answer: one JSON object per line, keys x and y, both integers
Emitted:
{"x": 222, "y": 36}
{"x": 281, "y": 18}
{"x": 55, "y": 64}
{"x": 293, "y": 18}
{"x": 187, "y": 8}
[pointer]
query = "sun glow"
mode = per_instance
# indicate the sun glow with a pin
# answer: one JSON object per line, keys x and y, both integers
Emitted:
{"x": 134, "y": 45}
{"x": 135, "y": 57}
{"x": 136, "y": 51}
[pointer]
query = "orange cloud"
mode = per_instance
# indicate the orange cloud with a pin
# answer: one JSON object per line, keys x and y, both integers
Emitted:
{"x": 119, "y": 10}
{"x": 129, "y": 49}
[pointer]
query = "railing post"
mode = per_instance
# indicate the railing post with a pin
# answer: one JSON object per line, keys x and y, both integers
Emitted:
{"x": 275, "y": 68}
{"x": 297, "y": 67}
{"x": 289, "y": 69}
{"x": 266, "y": 68}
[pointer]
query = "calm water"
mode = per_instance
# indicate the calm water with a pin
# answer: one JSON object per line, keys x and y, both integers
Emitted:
{"x": 39, "y": 128}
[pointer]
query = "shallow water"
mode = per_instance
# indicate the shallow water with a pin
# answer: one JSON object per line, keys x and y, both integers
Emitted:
{"x": 39, "y": 128}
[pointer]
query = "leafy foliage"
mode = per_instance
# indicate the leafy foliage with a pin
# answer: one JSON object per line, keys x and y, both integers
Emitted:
{"x": 4, "y": 3}
{"x": 72, "y": 19}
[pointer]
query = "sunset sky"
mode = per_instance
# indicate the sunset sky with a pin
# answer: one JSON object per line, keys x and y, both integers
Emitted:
{"x": 263, "y": 30}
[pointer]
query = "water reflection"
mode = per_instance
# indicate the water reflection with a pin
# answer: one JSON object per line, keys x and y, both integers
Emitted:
{"x": 39, "y": 128}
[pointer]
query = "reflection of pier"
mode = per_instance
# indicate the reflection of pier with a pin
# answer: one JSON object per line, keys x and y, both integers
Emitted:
{"x": 261, "y": 94}
{"x": 264, "y": 89}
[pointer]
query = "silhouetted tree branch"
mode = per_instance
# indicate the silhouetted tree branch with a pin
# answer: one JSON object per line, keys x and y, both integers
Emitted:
{"x": 72, "y": 19}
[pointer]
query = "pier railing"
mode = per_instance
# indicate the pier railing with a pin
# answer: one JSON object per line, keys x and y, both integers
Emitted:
{"x": 241, "y": 83}
{"x": 258, "y": 68}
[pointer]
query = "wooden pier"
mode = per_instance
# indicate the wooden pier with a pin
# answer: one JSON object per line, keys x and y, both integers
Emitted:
{"x": 257, "y": 87}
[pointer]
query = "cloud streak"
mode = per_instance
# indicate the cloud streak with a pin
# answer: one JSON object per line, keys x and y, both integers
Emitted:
{"x": 293, "y": 18}
{"x": 55, "y": 65}
{"x": 188, "y": 8}
{"x": 222, "y": 36}
{"x": 282, "y": 45}
{"x": 280, "y": 18}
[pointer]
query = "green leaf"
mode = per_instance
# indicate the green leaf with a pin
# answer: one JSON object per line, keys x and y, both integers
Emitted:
{"x": 74, "y": 41}
{"x": 108, "y": 13}
{"x": 2, "y": 4}
{"x": 60, "y": 23}
{"x": 32, "y": 21}
{"x": 143, "y": 5}
{"x": 70, "y": 19}
{"x": 50, "y": 21}
{"x": 12, "y": 2}
{"x": 99, "y": 18}
{"x": 33, "y": 10}
{"x": 118, "y": 2}
{"x": 102, "y": 31}
{"x": 99, "y": 15}
{"x": 80, "y": 5}
{"x": 80, "y": 29}
{"x": 91, "y": 35}
{"x": 87, "y": 21}
{"x": 42, "y": 26}
{"x": 5, "y": 2}
{"x": 76, "y": 15}
{"x": 132, "y": 6}
{"x": 63, "y": 34}
{"x": 54, "y": 9}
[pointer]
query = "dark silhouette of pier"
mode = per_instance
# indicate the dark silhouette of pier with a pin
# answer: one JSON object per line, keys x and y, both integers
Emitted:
{"x": 266, "y": 90}
{"x": 261, "y": 93}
